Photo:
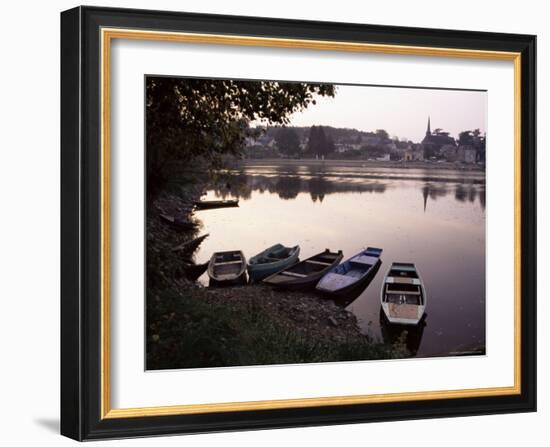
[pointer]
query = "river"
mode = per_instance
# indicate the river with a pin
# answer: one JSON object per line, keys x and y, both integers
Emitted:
{"x": 432, "y": 217}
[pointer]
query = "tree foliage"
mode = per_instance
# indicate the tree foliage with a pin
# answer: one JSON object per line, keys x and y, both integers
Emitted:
{"x": 466, "y": 138}
{"x": 319, "y": 144}
{"x": 207, "y": 117}
{"x": 287, "y": 141}
{"x": 382, "y": 134}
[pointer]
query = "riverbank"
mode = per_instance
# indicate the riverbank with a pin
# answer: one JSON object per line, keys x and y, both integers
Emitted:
{"x": 253, "y": 325}
{"x": 189, "y": 325}
{"x": 401, "y": 164}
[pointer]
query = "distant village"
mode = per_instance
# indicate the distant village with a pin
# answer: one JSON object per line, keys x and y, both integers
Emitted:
{"x": 337, "y": 143}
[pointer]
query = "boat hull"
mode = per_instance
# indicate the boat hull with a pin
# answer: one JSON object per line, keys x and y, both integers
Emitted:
{"x": 305, "y": 274}
{"x": 227, "y": 268}
{"x": 352, "y": 276}
{"x": 258, "y": 271}
{"x": 213, "y": 204}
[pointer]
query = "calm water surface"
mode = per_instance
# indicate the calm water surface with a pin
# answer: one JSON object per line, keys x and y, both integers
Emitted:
{"x": 434, "y": 218}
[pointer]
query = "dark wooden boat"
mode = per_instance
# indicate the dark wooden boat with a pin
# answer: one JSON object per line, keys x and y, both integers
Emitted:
{"x": 352, "y": 274}
{"x": 211, "y": 204}
{"x": 177, "y": 223}
{"x": 307, "y": 273}
{"x": 227, "y": 267}
{"x": 193, "y": 271}
{"x": 188, "y": 247}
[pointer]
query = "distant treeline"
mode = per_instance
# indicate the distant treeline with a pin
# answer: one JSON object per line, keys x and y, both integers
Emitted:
{"x": 318, "y": 141}
{"x": 346, "y": 143}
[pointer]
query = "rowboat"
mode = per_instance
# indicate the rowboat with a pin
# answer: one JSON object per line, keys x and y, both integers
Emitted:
{"x": 211, "y": 204}
{"x": 227, "y": 267}
{"x": 272, "y": 260}
{"x": 403, "y": 296}
{"x": 177, "y": 223}
{"x": 351, "y": 275}
{"x": 307, "y": 273}
{"x": 193, "y": 271}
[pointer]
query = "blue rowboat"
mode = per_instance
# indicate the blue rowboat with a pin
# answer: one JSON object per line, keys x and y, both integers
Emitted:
{"x": 352, "y": 274}
{"x": 272, "y": 260}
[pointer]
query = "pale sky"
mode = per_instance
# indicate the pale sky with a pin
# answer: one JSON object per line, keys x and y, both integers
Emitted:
{"x": 403, "y": 112}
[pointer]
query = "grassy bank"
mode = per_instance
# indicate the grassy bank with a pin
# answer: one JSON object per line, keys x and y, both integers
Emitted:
{"x": 253, "y": 325}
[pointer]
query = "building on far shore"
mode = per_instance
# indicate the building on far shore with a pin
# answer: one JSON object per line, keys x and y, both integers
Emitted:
{"x": 449, "y": 152}
{"x": 434, "y": 141}
{"x": 466, "y": 154}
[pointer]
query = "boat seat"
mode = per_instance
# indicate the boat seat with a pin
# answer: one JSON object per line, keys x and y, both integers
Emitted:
{"x": 318, "y": 262}
{"x": 397, "y": 279}
{"x": 398, "y": 291}
{"x": 297, "y": 275}
{"x": 403, "y": 292}
{"x": 228, "y": 262}
{"x": 365, "y": 259}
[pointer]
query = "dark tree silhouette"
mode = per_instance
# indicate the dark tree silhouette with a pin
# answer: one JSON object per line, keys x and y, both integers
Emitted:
{"x": 319, "y": 144}
{"x": 287, "y": 141}
{"x": 466, "y": 138}
{"x": 206, "y": 117}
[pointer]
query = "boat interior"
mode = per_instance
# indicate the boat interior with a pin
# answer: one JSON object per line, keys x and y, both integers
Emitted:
{"x": 357, "y": 266}
{"x": 403, "y": 273}
{"x": 276, "y": 255}
{"x": 312, "y": 265}
{"x": 227, "y": 263}
{"x": 403, "y": 294}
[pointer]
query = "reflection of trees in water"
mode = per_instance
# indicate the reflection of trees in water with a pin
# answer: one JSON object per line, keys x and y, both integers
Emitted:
{"x": 433, "y": 191}
{"x": 482, "y": 198}
{"x": 398, "y": 333}
{"x": 465, "y": 192}
{"x": 288, "y": 186}
{"x": 318, "y": 187}
{"x": 462, "y": 193}
{"x": 232, "y": 186}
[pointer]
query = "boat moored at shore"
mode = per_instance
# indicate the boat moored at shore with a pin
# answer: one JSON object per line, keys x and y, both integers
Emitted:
{"x": 403, "y": 295}
{"x": 351, "y": 275}
{"x": 227, "y": 268}
{"x": 213, "y": 204}
{"x": 272, "y": 260}
{"x": 306, "y": 274}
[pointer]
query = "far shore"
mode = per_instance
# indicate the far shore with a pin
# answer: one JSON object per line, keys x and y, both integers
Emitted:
{"x": 455, "y": 166}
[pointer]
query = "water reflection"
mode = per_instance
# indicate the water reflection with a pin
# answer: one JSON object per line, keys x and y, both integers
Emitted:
{"x": 433, "y": 191}
{"x": 434, "y": 219}
{"x": 287, "y": 187}
{"x": 411, "y": 336}
{"x": 318, "y": 181}
{"x": 462, "y": 193}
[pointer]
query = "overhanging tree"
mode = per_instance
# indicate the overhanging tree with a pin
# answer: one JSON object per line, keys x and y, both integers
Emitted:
{"x": 191, "y": 117}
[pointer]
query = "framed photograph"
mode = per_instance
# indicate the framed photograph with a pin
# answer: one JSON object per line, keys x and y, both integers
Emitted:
{"x": 275, "y": 223}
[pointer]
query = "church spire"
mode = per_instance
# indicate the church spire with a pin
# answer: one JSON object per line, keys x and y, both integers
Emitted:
{"x": 428, "y": 131}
